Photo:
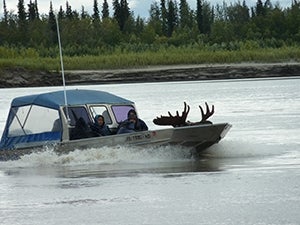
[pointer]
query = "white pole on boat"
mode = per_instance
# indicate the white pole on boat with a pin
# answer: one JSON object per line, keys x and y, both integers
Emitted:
{"x": 62, "y": 68}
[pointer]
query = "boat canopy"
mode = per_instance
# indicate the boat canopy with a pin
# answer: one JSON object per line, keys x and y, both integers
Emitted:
{"x": 36, "y": 118}
{"x": 74, "y": 97}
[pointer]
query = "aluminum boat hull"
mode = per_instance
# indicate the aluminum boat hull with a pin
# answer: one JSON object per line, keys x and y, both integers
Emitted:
{"x": 198, "y": 137}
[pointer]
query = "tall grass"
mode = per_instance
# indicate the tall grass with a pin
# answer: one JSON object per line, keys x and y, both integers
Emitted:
{"x": 30, "y": 59}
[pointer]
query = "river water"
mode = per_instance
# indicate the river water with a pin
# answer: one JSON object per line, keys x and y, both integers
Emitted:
{"x": 251, "y": 177}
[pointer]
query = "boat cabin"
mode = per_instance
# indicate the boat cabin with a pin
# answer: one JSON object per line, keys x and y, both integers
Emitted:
{"x": 45, "y": 118}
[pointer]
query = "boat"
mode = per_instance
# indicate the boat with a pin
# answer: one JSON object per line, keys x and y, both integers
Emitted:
{"x": 44, "y": 121}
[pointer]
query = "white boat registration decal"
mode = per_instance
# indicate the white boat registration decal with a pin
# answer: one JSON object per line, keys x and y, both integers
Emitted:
{"x": 138, "y": 137}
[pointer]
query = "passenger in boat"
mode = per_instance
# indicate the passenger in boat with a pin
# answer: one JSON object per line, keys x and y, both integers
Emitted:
{"x": 100, "y": 127}
{"x": 132, "y": 124}
{"x": 81, "y": 130}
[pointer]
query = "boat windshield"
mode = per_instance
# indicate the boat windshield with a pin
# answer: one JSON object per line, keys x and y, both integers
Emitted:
{"x": 101, "y": 110}
{"x": 32, "y": 119}
{"x": 77, "y": 112}
{"x": 120, "y": 112}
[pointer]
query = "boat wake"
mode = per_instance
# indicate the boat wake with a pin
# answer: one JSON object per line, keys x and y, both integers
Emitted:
{"x": 104, "y": 155}
{"x": 163, "y": 159}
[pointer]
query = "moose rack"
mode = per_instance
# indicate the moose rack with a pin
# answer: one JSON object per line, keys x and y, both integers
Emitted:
{"x": 180, "y": 121}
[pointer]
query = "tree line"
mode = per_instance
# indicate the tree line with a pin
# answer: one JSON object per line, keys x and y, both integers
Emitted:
{"x": 170, "y": 23}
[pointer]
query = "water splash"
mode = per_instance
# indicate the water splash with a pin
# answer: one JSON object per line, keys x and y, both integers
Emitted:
{"x": 103, "y": 155}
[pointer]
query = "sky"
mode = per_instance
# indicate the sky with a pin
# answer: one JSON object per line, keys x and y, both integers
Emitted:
{"x": 139, "y": 7}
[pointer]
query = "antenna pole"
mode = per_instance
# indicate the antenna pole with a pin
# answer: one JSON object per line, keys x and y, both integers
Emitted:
{"x": 62, "y": 68}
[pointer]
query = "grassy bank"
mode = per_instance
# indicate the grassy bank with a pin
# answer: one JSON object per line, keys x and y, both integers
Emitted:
{"x": 29, "y": 59}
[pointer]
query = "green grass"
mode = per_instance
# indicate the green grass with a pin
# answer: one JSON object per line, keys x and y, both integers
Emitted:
{"x": 29, "y": 59}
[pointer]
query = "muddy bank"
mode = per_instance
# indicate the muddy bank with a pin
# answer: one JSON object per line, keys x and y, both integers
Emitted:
{"x": 24, "y": 78}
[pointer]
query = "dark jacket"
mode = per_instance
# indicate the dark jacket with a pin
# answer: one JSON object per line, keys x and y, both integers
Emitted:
{"x": 81, "y": 130}
{"x": 128, "y": 126}
{"x": 100, "y": 130}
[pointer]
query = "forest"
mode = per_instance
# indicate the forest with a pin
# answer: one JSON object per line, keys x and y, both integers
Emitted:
{"x": 173, "y": 33}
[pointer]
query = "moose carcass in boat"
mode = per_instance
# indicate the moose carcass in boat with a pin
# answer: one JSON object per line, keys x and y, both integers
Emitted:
{"x": 38, "y": 121}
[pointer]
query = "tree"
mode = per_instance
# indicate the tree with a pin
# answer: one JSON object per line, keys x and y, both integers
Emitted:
{"x": 238, "y": 16}
{"x": 121, "y": 13}
{"x": 52, "y": 25}
{"x": 5, "y": 12}
{"x": 293, "y": 21}
{"x": 124, "y": 14}
{"x": 111, "y": 35}
{"x": 69, "y": 13}
{"x": 105, "y": 10}
{"x": 61, "y": 13}
{"x": 164, "y": 15}
{"x": 37, "y": 15}
{"x": 185, "y": 14}
{"x": 260, "y": 10}
{"x": 31, "y": 11}
{"x": 22, "y": 24}
{"x": 208, "y": 18}
{"x": 83, "y": 14}
{"x": 171, "y": 18}
{"x": 154, "y": 19}
{"x": 96, "y": 16}
{"x": 199, "y": 16}
{"x": 21, "y": 13}
{"x": 116, "y": 7}
{"x": 221, "y": 32}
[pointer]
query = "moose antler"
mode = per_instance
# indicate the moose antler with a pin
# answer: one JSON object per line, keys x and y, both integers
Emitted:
{"x": 208, "y": 113}
{"x": 175, "y": 121}
{"x": 178, "y": 121}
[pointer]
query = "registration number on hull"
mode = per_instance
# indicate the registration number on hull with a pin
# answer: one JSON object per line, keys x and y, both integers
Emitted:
{"x": 138, "y": 137}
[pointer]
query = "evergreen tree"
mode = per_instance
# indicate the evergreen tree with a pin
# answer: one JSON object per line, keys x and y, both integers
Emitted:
{"x": 245, "y": 9}
{"x": 61, "y": 13}
{"x": 37, "y": 15}
{"x": 96, "y": 16}
{"x": 208, "y": 17}
{"x": 22, "y": 34}
{"x": 171, "y": 18}
{"x": 124, "y": 14}
{"x": 164, "y": 15}
{"x": 293, "y": 21}
{"x": 184, "y": 14}
{"x": 260, "y": 11}
{"x": 116, "y": 7}
{"x": 5, "y": 12}
{"x": 154, "y": 19}
{"x": 121, "y": 13}
{"x": 105, "y": 10}
{"x": 31, "y": 11}
{"x": 83, "y": 14}
{"x": 200, "y": 16}
{"x": 21, "y": 13}
{"x": 52, "y": 25}
{"x": 69, "y": 13}
{"x": 268, "y": 5}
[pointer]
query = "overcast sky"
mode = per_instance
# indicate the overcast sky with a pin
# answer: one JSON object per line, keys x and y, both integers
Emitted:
{"x": 139, "y": 7}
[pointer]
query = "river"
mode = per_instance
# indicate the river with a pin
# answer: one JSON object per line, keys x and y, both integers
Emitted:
{"x": 250, "y": 177}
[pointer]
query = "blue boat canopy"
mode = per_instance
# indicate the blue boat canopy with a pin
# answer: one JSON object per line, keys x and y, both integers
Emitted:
{"x": 74, "y": 97}
{"x": 22, "y": 129}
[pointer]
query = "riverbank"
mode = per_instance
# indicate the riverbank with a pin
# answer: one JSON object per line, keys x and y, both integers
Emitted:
{"x": 24, "y": 78}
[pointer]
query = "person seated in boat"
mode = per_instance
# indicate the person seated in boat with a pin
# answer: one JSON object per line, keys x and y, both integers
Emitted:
{"x": 81, "y": 130}
{"x": 132, "y": 124}
{"x": 99, "y": 126}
